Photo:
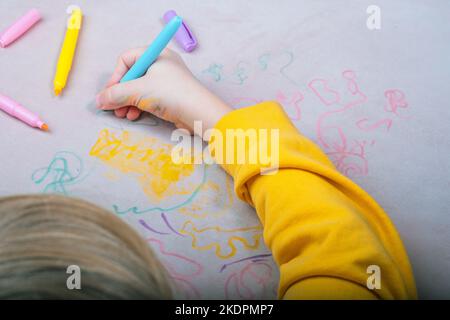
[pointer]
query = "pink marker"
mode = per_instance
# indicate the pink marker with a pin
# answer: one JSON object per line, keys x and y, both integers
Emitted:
{"x": 16, "y": 110}
{"x": 19, "y": 27}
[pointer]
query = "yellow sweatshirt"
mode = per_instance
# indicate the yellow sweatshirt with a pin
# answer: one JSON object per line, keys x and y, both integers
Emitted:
{"x": 324, "y": 231}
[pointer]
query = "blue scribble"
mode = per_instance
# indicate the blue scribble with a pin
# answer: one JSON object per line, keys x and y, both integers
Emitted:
{"x": 263, "y": 61}
{"x": 241, "y": 72}
{"x": 136, "y": 210}
{"x": 215, "y": 70}
{"x": 284, "y": 67}
{"x": 243, "y": 68}
{"x": 64, "y": 169}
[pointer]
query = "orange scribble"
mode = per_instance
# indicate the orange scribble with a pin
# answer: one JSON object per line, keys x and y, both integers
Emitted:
{"x": 144, "y": 157}
{"x": 248, "y": 238}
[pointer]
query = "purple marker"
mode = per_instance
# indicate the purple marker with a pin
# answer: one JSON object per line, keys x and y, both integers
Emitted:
{"x": 183, "y": 36}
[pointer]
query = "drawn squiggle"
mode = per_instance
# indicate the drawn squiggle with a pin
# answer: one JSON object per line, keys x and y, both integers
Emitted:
{"x": 255, "y": 232}
{"x": 347, "y": 158}
{"x": 65, "y": 169}
{"x": 263, "y": 61}
{"x": 362, "y": 124}
{"x": 284, "y": 67}
{"x": 354, "y": 89}
{"x": 144, "y": 158}
{"x": 296, "y": 99}
{"x": 146, "y": 226}
{"x": 184, "y": 278}
{"x": 259, "y": 273}
{"x": 215, "y": 70}
{"x": 189, "y": 290}
{"x": 197, "y": 267}
{"x": 350, "y": 160}
{"x": 192, "y": 196}
{"x": 166, "y": 221}
{"x": 257, "y": 257}
{"x": 396, "y": 99}
{"x": 201, "y": 208}
{"x": 244, "y": 69}
{"x": 317, "y": 85}
{"x": 241, "y": 72}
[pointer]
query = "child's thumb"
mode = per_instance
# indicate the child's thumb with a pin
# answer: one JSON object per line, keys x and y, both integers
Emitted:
{"x": 116, "y": 96}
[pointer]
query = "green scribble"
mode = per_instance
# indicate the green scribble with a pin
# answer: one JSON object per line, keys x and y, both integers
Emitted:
{"x": 215, "y": 70}
{"x": 241, "y": 72}
{"x": 64, "y": 169}
{"x": 263, "y": 61}
{"x": 191, "y": 197}
{"x": 284, "y": 67}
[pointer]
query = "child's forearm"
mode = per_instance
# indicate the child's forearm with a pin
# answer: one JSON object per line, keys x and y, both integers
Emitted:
{"x": 324, "y": 231}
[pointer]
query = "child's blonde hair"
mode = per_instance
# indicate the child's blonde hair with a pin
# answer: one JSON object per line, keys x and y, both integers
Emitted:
{"x": 42, "y": 235}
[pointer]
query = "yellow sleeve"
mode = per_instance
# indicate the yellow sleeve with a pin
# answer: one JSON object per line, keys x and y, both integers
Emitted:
{"x": 324, "y": 231}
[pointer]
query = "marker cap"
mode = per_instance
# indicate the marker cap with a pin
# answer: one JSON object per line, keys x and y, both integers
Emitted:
{"x": 19, "y": 27}
{"x": 184, "y": 36}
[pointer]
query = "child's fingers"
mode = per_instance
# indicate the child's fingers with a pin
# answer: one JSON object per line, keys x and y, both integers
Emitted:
{"x": 118, "y": 95}
{"x": 133, "y": 113}
{"x": 181, "y": 125}
{"x": 121, "y": 112}
{"x": 124, "y": 63}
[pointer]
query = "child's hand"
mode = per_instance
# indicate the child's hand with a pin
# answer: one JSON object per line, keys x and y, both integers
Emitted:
{"x": 168, "y": 90}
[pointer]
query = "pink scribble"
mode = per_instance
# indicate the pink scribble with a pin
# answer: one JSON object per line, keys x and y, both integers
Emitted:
{"x": 396, "y": 100}
{"x": 362, "y": 124}
{"x": 198, "y": 268}
{"x": 317, "y": 85}
{"x": 242, "y": 282}
{"x": 351, "y": 160}
{"x": 182, "y": 278}
{"x": 187, "y": 288}
{"x": 294, "y": 101}
{"x": 348, "y": 158}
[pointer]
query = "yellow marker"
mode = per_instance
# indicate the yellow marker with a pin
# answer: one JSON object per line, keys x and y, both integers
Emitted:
{"x": 68, "y": 48}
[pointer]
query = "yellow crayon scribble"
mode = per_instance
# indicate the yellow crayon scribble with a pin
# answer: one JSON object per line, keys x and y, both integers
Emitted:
{"x": 215, "y": 201}
{"x": 145, "y": 158}
{"x": 220, "y": 251}
{"x": 111, "y": 175}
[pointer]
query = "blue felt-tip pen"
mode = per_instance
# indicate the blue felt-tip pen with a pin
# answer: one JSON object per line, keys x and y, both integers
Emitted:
{"x": 153, "y": 51}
